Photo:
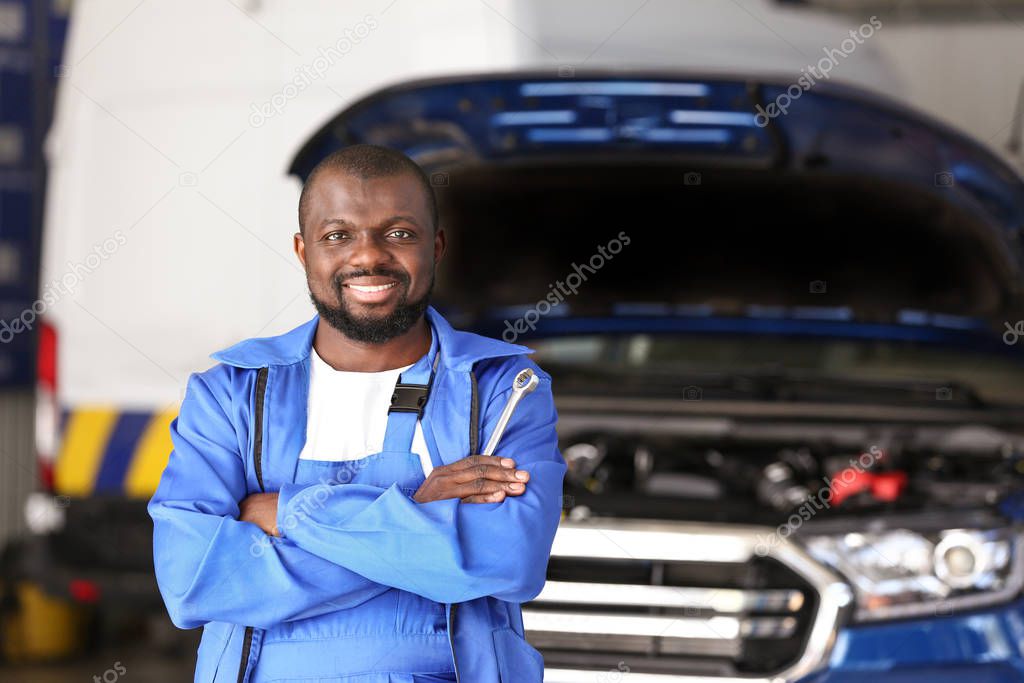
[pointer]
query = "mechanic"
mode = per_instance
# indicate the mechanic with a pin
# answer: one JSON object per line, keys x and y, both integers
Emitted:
{"x": 321, "y": 522}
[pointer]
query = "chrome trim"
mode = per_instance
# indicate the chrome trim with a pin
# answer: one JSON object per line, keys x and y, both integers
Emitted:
{"x": 722, "y": 600}
{"x": 711, "y": 628}
{"x": 625, "y": 540}
{"x": 626, "y": 646}
{"x": 582, "y": 676}
{"x": 688, "y": 541}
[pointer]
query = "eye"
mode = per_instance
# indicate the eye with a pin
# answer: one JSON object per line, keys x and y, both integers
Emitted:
{"x": 401, "y": 234}
{"x": 331, "y": 236}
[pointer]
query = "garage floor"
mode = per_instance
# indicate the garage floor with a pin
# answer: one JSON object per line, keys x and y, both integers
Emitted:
{"x": 131, "y": 664}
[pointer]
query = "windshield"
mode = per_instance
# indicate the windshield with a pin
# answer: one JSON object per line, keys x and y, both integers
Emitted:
{"x": 947, "y": 373}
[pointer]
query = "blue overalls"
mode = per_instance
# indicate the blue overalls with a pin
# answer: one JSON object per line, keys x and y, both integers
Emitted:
{"x": 340, "y": 590}
{"x": 396, "y": 637}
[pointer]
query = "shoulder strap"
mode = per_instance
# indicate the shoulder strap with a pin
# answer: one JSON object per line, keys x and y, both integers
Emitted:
{"x": 257, "y": 449}
{"x": 474, "y": 415}
{"x": 257, "y": 458}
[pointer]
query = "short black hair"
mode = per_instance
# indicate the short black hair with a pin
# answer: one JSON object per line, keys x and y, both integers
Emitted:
{"x": 365, "y": 162}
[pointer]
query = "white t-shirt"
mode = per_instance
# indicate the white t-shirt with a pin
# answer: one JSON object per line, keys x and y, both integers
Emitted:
{"x": 348, "y": 413}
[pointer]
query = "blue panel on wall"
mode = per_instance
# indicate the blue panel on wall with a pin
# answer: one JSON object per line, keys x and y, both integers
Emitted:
{"x": 31, "y": 46}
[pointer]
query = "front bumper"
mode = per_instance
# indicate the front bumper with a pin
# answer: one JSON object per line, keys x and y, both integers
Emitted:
{"x": 982, "y": 646}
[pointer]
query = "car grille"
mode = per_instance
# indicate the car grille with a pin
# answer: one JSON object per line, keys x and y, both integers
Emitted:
{"x": 675, "y": 602}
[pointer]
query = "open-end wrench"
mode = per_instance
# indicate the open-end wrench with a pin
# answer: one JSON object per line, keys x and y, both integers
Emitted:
{"x": 524, "y": 383}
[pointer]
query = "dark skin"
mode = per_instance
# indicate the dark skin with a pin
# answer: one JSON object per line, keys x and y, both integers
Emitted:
{"x": 354, "y": 225}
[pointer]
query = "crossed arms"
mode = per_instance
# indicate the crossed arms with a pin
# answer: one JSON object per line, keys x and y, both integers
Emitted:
{"x": 352, "y": 541}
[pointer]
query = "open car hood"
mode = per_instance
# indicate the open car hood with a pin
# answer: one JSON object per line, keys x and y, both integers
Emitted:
{"x": 847, "y": 201}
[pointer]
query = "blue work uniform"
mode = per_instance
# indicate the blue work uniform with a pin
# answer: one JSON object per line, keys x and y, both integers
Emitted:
{"x": 365, "y": 585}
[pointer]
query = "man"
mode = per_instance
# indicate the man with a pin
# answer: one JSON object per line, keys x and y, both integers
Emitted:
{"x": 324, "y": 514}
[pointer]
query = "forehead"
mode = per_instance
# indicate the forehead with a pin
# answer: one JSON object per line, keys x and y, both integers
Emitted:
{"x": 337, "y": 194}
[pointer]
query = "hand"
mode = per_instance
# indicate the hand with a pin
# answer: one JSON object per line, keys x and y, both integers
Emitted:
{"x": 261, "y": 510}
{"x": 474, "y": 479}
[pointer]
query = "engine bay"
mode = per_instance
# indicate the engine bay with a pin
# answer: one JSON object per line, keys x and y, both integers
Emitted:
{"x": 696, "y": 470}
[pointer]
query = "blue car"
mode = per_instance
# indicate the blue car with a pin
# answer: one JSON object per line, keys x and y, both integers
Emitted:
{"x": 786, "y": 350}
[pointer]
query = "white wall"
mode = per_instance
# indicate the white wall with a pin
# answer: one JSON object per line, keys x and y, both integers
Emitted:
{"x": 966, "y": 74}
{"x": 154, "y": 138}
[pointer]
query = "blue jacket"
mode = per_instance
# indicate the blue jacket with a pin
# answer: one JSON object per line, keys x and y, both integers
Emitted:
{"x": 227, "y": 576}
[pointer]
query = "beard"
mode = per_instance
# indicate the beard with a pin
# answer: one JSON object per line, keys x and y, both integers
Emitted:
{"x": 373, "y": 329}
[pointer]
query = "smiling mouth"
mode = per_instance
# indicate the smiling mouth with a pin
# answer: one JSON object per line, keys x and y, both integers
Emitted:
{"x": 372, "y": 288}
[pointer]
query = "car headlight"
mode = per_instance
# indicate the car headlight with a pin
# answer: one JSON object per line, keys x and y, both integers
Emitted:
{"x": 903, "y": 573}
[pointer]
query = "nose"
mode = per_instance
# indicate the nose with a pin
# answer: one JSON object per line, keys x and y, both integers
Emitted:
{"x": 368, "y": 252}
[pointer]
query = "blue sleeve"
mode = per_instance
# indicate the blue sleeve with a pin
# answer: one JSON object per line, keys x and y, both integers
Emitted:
{"x": 446, "y": 550}
{"x": 209, "y": 565}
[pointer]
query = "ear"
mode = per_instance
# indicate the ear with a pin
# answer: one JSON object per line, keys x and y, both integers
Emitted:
{"x": 440, "y": 244}
{"x": 300, "y": 248}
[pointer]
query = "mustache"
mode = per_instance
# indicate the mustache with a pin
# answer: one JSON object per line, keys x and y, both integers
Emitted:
{"x": 399, "y": 276}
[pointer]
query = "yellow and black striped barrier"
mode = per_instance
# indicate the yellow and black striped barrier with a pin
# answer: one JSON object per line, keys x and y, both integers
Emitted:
{"x": 110, "y": 451}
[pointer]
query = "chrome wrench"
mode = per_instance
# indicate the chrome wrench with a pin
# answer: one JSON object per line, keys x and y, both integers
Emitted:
{"x": 524, "y": 383}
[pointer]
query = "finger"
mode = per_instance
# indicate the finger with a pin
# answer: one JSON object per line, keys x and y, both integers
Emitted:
{"x": 490, "y": 472}
{"x": 475, "y": 460}
{"x": 489, "y": 498}
{"x": 483, "y": 487}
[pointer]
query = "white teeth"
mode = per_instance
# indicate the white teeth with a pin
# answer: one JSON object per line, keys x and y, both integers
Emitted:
{"x": 377, "y": 288}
